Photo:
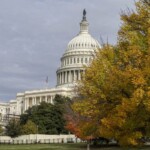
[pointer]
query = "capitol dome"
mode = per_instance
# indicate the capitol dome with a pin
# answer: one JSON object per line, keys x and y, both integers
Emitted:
{"x": 79, "y": 52}
{"x": 83, "y": 41}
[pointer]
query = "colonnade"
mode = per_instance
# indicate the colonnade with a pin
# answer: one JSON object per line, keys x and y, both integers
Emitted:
{"x": 68, "y": 76}
{"x": 36, "y": 100}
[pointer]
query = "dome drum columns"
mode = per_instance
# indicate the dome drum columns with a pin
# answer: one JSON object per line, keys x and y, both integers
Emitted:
{"x": 70, "y": 76}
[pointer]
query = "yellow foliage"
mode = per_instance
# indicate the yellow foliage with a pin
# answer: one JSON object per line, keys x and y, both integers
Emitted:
{"x": 114, "y": 95}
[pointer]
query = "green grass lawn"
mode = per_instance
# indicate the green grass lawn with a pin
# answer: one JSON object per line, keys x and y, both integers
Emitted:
{"x": 62, "y": 147}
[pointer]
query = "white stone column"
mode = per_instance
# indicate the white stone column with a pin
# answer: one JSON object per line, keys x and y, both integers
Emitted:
{"x": 62, "y": 78}
{"x": 66, "y": 76}
{"x": 27, "y": 103}
{"x": 69, "y": 76}
{"x": 75, "y": 75}
{"x": 79, "y": 75}
{"x": 35, "y": 100}
{"x": 47, "y": 99}
{"x": 32, "y": 101}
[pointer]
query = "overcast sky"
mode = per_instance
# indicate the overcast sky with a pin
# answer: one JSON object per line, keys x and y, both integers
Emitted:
{"x": 34, "y": 34}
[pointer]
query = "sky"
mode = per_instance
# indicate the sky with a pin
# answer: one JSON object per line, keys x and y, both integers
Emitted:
{"x": 34, "y": 35}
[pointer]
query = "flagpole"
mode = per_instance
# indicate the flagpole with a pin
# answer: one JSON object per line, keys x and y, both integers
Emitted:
{"x": 47, "y": 82}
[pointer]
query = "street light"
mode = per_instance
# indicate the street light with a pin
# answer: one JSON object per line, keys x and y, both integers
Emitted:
{"x": 37, "y": 134}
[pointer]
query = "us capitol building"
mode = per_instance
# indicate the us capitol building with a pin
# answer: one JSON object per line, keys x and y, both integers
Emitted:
{"x": 79, "y": 52}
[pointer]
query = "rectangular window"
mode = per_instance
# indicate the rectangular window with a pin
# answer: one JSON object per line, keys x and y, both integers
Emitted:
{"x": 81, "y": 60}
{"x": 71, "y": 61}
{"x": 74, "y": 60}
{"x": 85, "y": 60}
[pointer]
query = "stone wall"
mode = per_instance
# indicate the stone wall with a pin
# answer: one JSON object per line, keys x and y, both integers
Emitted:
{"x": 39, "y": 138}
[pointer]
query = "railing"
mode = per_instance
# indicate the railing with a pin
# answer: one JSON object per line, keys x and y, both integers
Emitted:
{"x": 40, "y": 141}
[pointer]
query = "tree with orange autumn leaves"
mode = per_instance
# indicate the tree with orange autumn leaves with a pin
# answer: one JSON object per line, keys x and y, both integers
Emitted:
{"x": 114, "y": 95}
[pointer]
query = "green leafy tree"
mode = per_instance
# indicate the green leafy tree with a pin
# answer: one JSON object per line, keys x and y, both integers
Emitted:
{"x": 29, "y": 128}
{"x": 48, "y": 117}
{"x": 13, "y": 128}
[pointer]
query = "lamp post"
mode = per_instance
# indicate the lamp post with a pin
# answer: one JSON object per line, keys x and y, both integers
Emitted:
{"x": 88, "y": 145}
{"x": 37, "y": 134}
